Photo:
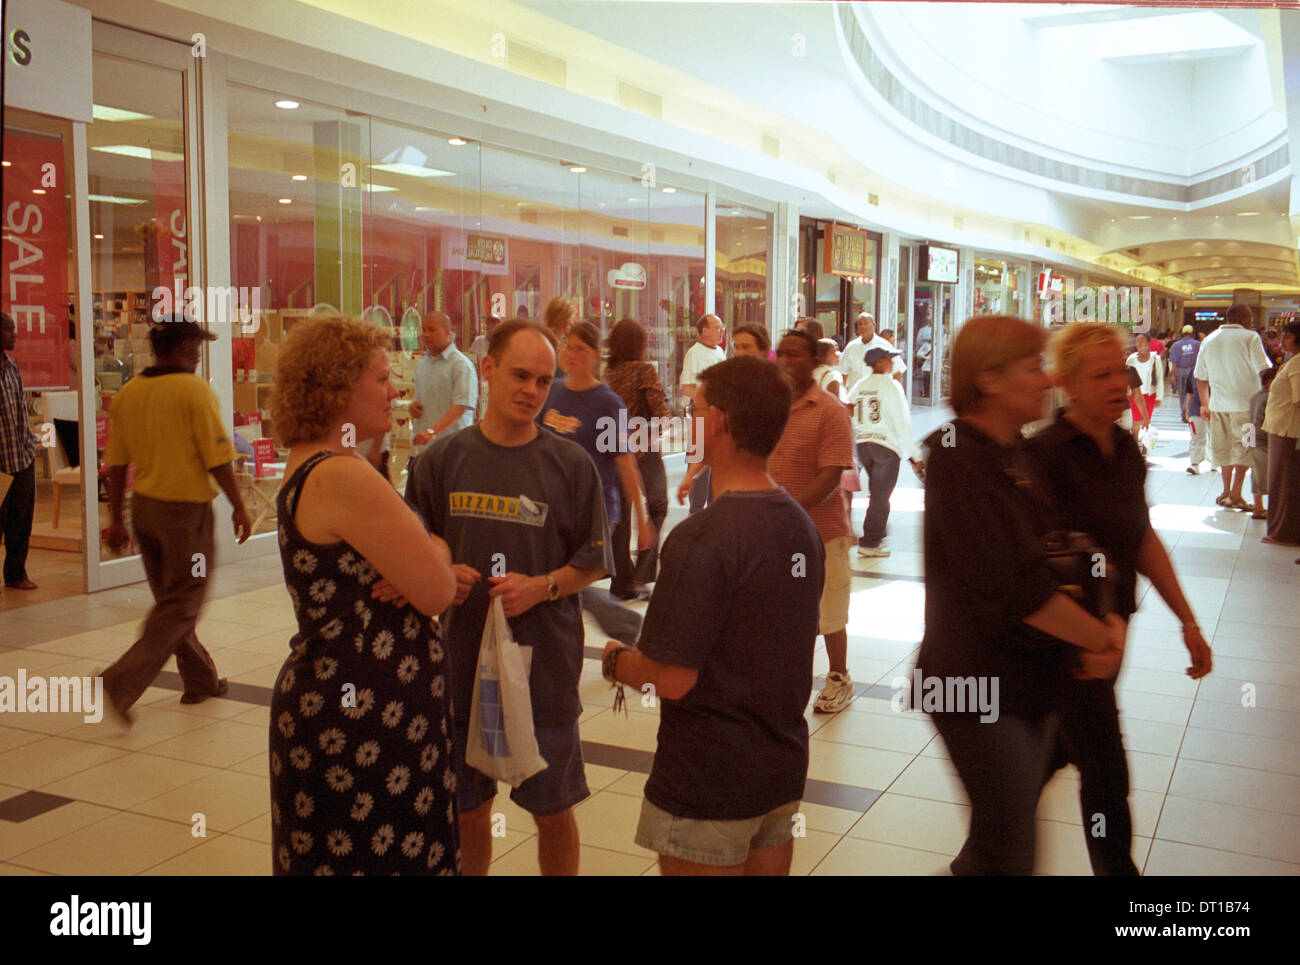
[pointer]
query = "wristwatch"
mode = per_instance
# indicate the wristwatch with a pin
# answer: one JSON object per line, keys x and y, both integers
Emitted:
{"x": 552, "y": 588}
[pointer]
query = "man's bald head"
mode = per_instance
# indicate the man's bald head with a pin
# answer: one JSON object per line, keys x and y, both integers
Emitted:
{"x": 436, "y": 331}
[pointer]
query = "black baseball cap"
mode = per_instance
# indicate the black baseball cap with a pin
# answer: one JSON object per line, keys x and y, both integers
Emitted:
{"x": 874, "y": 355}
{"x": 172, "y": 331}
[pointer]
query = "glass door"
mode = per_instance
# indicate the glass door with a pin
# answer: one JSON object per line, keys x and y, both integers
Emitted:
{"x": 932, "y": 313}
{"x": 141, "y": 165}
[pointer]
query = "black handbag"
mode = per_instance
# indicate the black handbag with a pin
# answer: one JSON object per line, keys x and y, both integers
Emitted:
{"x": 1082, "y": 569}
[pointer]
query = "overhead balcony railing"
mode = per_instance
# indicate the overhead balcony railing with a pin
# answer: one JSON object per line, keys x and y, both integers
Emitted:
{"x": 933, "y": 121}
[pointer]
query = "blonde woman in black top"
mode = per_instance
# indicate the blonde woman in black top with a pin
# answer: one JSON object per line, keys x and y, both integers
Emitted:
{"x": 1096, "y": 479}
{"x": 998, "y": 632}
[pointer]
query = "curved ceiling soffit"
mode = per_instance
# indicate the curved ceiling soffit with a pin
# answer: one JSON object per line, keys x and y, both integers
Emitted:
{"x": 1271, "y": 161}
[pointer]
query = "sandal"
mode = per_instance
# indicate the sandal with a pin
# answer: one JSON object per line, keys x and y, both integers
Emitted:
{"x": 1239, "y": 504}
{"x": 1222, "y": 500}
{"x": 1259, "y": 515}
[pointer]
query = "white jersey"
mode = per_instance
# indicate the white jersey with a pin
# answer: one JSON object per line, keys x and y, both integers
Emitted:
{"x": 881, "y": 415}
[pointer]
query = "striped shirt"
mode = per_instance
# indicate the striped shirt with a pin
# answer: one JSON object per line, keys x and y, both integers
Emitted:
{"x": 818, "y": 435}
{"x": 17, "y": 444}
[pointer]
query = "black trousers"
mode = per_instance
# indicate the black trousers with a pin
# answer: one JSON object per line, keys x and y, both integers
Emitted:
{"x": 1001, "y": 766}
{"x": 1090, "y": 739}
{"x": 16, "y": 514}
{"x": 651, "y": 465}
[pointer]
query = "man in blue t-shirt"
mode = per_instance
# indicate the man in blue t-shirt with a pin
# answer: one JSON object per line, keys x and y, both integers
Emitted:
{"x": 1182, "y": 360}
{"x": 727, "y": 644}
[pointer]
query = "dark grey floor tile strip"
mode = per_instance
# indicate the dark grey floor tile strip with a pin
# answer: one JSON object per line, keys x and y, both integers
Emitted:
{"x": 840, "y": 795}
{"x": 245, "y": 693}
{"x": 872, "y": 691}
{"x": 30, "y": 804}
{"x": 815, "y": 792}
{"x": 606, "y": 755}
{"x": 870, "y": 575}
{"x": 621, "y": 758}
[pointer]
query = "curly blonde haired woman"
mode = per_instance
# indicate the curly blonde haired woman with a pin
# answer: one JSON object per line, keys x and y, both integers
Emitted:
{"x": 360, "y": 714}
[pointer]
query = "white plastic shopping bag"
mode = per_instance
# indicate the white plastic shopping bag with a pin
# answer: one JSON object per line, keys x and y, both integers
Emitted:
{"x": 501, "y": 742}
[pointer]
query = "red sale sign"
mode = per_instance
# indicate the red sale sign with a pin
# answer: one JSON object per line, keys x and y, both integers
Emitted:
{"x": 167, "y": 256}
{"x": 35, "y": 257}
{"x": 263, "y": 456}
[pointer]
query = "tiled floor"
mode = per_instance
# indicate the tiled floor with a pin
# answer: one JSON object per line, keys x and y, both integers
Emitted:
{"x": 1216, "y": 785}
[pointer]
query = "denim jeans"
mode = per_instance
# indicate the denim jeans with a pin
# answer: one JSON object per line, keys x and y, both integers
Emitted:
{"x": 1001, "y": 765}
{"x": 622, "y": 623}
{"x": 646, "y": 567}
{"x": 17, "y": 510}
{"x": 881, "y": 465}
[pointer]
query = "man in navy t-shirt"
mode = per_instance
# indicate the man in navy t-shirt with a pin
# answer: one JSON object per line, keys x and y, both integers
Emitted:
{"x": 727, "y": 643}
{"x": 1182, "y": 360}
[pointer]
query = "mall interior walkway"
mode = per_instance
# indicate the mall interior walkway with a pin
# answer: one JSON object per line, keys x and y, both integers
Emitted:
{"x": 1216, "y": 785}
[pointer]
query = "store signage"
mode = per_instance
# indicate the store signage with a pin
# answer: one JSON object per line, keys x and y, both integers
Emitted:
{"x": 630, "y": 275}
{"x": 47, "y": 58}
{"x": 34, "y": 256}
{"x": 167, "y": 258}
{"x": 489, "y": 254}
{"x": 845, "y": 251}
{"x": 938, "y": 264}
{"x": 263, "y": 456}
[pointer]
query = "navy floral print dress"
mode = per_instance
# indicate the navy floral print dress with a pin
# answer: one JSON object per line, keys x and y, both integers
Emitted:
{"x": 361, "y": 777}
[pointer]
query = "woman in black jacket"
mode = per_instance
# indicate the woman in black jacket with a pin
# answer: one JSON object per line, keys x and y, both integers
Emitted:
{"x": 999, "y": 635}
{"x": 1095, "y": 478}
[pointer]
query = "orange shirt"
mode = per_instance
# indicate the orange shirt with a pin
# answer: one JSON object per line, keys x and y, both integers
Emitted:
{"x": 817, "y": 436}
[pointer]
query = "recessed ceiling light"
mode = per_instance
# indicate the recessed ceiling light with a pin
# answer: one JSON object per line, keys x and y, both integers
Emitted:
{"x": 413, "y": 170}
{"x": 287, "y": 105}
{"x": 7, "y": 164}
{"x": 99, "y": 237}
{"x": 140, "y": 151}
{"x": 1139, "y": 217}
{"x": 578, "y": 169}
{"x": 300, "y": 177}
{"x": 670, "y": 190}
{"x": 457, "y": 141}
{"x": 38, "y": 190}
{"x": 1247, "y": 214}
{"x": 101, "y": 113}
{"x": 114, "y": 199}
{"x": 286, "y": 200}
{"x": 376, "y": 188}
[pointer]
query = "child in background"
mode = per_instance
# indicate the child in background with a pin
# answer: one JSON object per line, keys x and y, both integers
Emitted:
{"x": 1196, "y": 422}
{"x": 1257, "y": 453}
{"x": 882, "y": 429}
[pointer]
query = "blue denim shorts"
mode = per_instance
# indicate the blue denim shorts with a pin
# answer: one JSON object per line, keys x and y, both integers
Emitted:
{"x": 558, "y": 788}
{"x": 721, "y": 843}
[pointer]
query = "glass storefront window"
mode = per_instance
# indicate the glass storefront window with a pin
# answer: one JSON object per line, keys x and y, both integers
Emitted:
{"x": 999, "y": 288}
{"x": 744, "y": 243}
{"x": 901, "y": 314}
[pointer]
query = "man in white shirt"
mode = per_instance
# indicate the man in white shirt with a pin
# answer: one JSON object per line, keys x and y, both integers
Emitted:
{"x": 882, "y": 436}
{"x": 705, "y": 352}
{"x": 852, "y": 362}
{"x": 1227, "y": 375}
{"x": 446, "y": 385}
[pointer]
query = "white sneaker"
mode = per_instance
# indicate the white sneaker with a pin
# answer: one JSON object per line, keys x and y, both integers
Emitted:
{"x": 835, "y": 696}
{"x": 870, "y": 551}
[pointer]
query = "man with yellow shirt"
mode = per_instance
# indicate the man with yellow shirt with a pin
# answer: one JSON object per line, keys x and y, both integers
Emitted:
{"x": 167, "y": 423}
